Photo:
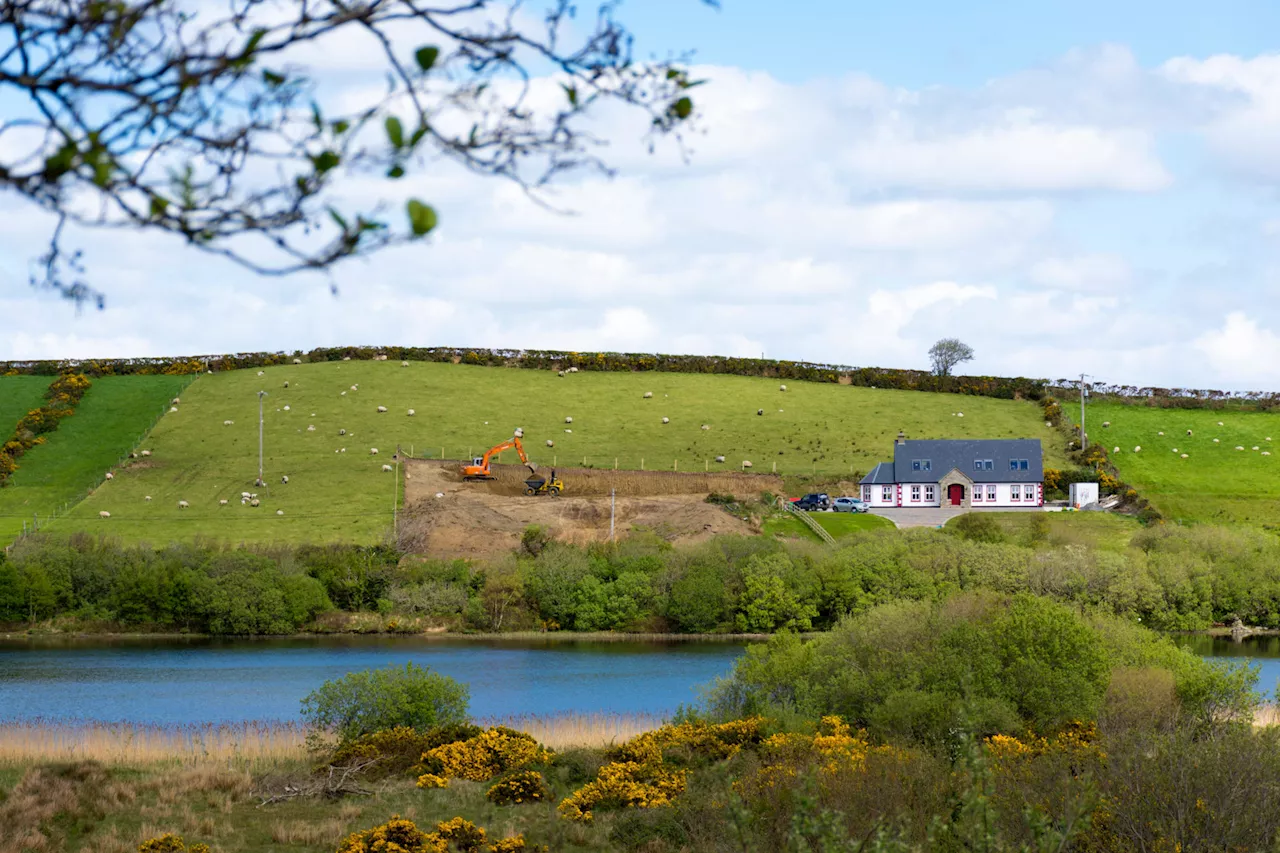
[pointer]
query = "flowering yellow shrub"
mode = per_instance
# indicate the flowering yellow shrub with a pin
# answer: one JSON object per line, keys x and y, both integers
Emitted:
{"x": 625, "y": 784}
{"x": 465, "y": 835}
{"x": 395, "y": 836}
{"x": 710, "y": 741}
{"x": 1077, "y": 739}
{"x": 835, "y": 749}
{"x": 170, "y": 843}
{"x": 523, "y": 786}
{"x": 430, "y": 780}
{"x": 514, "y": 844}
{"x": 492, "y": 752}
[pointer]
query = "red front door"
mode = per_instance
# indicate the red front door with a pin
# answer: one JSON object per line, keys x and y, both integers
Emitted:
{"x": 955, "y": 492}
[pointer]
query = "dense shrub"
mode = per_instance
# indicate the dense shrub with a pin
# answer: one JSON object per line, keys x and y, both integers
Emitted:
{"x": 361, "y": 703}
{"x": 63, "y": 395}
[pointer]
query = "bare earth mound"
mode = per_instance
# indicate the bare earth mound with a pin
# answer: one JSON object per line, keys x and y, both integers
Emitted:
{"x": 487, "y": 518}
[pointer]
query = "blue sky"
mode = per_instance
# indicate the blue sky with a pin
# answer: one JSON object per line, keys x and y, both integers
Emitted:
{"x": 1083, "y": 187}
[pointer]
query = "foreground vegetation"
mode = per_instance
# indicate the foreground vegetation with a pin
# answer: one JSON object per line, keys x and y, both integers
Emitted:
{"x": 113, "y": 415}
{"x": 978, "y": 722}
{"x": 1165, "y": 577}
{"x": 1216, "y": 483}
{"x": 462, "y": 410}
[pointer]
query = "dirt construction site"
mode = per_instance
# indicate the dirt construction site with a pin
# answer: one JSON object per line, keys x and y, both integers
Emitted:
{"x": 446, "y": 516}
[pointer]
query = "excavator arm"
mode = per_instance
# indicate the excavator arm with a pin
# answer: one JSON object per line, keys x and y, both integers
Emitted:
{"x": 480, "y": 469}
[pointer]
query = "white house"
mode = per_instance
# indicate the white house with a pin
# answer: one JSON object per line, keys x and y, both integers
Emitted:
{"x": 969, "y": 473}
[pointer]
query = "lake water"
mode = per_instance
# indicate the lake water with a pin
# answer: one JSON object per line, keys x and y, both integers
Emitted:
{"x": 1264, "y": 652}
{"x": 225, "y": 680}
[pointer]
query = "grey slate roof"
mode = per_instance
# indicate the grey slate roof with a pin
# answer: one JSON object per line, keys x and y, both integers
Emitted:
{"x": 881, "y": 475}
{"x": 945, "y": 454}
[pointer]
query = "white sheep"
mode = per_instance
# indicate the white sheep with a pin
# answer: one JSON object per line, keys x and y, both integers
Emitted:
{"x": 279, "y": 512}
{"x": 782, "y": 387}
{"x": 439, "y": 494}
{"x": 404, "y": 364}
{"x": 568, "y": 420}
{"x": 1048, "y": 423}
{"x": 1159, "y": 433}
{"x": 255, "y": 502}
{"x": 343, "y": 394}
{"x": 759, "y": 411}
{"x": 1266, "y": 453}
{"x": 286, "y": 408}
{"x": 382, "y": 410}
{"x": 1255, "y": 447}
{"x": 183, "y": 504}
{"x": 1219, "y": 423}
{"x": 1116, "y": 450}
{"x": 648, "y": 395}
{"x": 285, "y": 479}
{"x": 146, "y": 453}
{"x": 1175, "y": 450}
{"x": 111, "y": 476}
{"x": 297, "y": 361}
{"x": 746, "y": 463}
{"x": 245, "y": 495}
{"x": 355, "y": 387}
{"x": 1188, "y": 432}
{"x": 1215, "y": 441}
{"x": 412, "y": 413}
{"x": 959, "y": 414}
{"x": 561, "y": 374}
{"x": 147, "y": 498}
{"x": 387, "y": 468}
{"x": 706, "y": 426}
{"x": 1184, "y": 456}
{"x": 176, "y": 400}
{"x": 373, "y": 451}
{"x": 346, "y": 358}
{"x": 286, "y": 384}
{"x": 262, "y": 373}
{"x": 666, "y": 420}
{"x": 550, "y": 443}
{"x": 569, "y": 432}
{"x": 1137, "y": 449}
{"x": 719, "y": 458}
{"x": 573, "y": 370}
{"x": 342, "y": 450}
{"x": 228, "y": 423}
{"x": 1238, "y": 447}
{"x": 1106, "y": 423}
{"x": 311, "y": 427}
{"x": 222, "y": 502}
{"x": 342, "y": 432}
{"x": 104, "y": 514}
{"x": 173, "y": 408}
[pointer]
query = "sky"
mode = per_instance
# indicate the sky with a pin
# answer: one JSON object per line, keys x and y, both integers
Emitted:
{"x": 1067, "y": 187}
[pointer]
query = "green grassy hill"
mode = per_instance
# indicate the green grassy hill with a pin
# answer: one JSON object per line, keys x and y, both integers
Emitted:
{"x": 462, "y": 410}
{"x": 114, "y": 414}
{"x": 19, "y": 395}
{"x": 1216, "y": 482}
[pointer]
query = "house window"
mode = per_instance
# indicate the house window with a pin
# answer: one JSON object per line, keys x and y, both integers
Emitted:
{"x": 929, "y": 494}
{"x": 1015, "y": 493}
{"x": 977, "y": 493}
{"x": 989, "y": 464}
{"x": 866, "y": 494}
{"x": 991, "y": 493}
{"x": 977, "y": 464}
{"x": 886, "y": 494}
{"x": 1017, "y": 464}
{"x": 921, "y": 465}
{"x": 1022, "y": 464}
{"x": 915, "y": 494}
{"x": 983, "y": 464}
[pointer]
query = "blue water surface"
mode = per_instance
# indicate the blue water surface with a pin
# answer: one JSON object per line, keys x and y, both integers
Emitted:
{"x": 225, "y": 680}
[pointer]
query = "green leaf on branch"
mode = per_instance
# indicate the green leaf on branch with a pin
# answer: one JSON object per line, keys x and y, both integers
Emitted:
{"x": 422, "y": 217}
{"x": 338, "y": 218}
{"x": 396, "y": 171}
{"x": 682, "y": 108}
{"x": 426, "y": 57}
{"x": 245, "y": 59}
{"x": 341, "y": 126}
{"x": 158, "y": 206}
{"x": 571, "y": 92}
{"x": 272, "y": 79}
{"x": 395, "y": 132}
{"x": 417, "y": 135}
{"x": 325, "y": 161}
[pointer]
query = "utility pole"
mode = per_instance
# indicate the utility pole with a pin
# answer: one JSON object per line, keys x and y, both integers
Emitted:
{"x": 612, "y": 503}
{"x": 261, "y": 483}
{"x": 1083, "y": 394}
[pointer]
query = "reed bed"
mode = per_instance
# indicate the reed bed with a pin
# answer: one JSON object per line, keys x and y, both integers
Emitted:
{"x": 1267, "y": 714}
{"x": 257, "y": 742}
{"x": 243, "y": 743}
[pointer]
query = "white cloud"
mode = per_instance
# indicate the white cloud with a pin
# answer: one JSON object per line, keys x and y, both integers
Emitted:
{"x": 1082, "y": 273}
{"x": 1243, "y": 351}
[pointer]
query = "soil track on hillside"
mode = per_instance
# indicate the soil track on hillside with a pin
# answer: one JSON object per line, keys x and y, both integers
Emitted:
{"x": 487, "y": 518}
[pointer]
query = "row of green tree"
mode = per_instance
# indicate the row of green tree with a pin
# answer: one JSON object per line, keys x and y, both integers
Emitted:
{"x": 1167, "y": 578}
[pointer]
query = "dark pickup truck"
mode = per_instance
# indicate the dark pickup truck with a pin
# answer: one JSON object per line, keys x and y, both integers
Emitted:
{"x": 813, "y": 502}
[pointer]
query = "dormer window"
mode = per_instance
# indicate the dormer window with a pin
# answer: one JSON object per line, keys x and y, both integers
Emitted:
{"x": 1018, "y": 464}
{"x": 983, "y": 464}
{"x": 921, "y": 465}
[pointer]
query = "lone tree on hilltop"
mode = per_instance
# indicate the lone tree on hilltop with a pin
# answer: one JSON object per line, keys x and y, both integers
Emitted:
{"x": 211, "y": 121}
{"x": 947, "y": 353}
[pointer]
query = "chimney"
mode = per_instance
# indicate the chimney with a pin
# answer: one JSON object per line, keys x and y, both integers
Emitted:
{"x": 902, "y": 437}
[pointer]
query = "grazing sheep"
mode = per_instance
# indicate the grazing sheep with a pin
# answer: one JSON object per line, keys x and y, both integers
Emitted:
{"x": 1175, "y": 450}
{"x": 133, "y": 454}
{"x": 245, "y": 495}
{"x": 255, "y": 502}
{"x": 666, "y": 420}
{"x": 1106, "y": 423}
{"x": 262, "y": 373}
{"x": 255, "y": 494}
{"x": 284, "y": 479}
{"x": 111, "y": 476}
{"x": 1215, "y": 441}
{"x": 1048, "y": 423}
{"x": 569, "y": 431}
{"x": 1188, "y": 432}
{"x": 959, "y": 414}
{"x": 404, "y": 364}
{"x": 706, "y": 426}
{"x": 311, "y": 427}
{"x": 746, "y": 463}
{"x": 286, "y": 408}
{"x": 373, "y": 451}
{"x": 286, "y": 384}
{"x": 173, "y": 408}
{"x": 1137, "y": 449}
{"x": 412, "y": 413}
{"x": 228, "y": 423}
{"x": 346, "y": 358}
{"x": 387, "y": 468}
{"x": 176, "y": 400}
{"x": 279, "y": 512}
{"x": 355, "y": 387}
{"x": 561, "y": 374}
{"x": 719, "y": 458}
{"x": 297, "y": 361}
{"x": 342, "y": 432}
{"x": 568, "y": 420}
{"x": 439, "y": 494}
{"x": 1219, "y": 423}
{"x": 1116, "y": 450}
{"x": 759, "y": 411}
{"x": 147, "y": 498}
{"x": 573, "y": 370}
{"x": 148, "y": 452}
{"x": 782, "y": 387}
{"x": 380, "y": 357}
{"x": 222, "y": 502}
{"x": 550, "y": 443}
{"x": 343, "y": 394}
{"x": 183, "y": 504}
{"x": 1184, "y": 456}
{"x": 382, "y": 410}
{"x": 1238, "y": 447}
{"x": 1255, "y": 447}
{"x": 342, "y": 450}
{"x": 648, "y": 394}
{"x": 104, "y": 514}
{"x": 1266, "y": 453}
{"x": 1159, "y": 433}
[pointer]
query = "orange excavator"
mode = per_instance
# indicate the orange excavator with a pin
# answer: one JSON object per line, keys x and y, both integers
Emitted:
{"x": 479, "y": 467}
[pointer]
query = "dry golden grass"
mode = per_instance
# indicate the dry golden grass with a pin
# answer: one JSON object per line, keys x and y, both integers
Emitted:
{"x": 124, "y": 743}
{"x": 565, "y": 731}
{"x": 328, "y": 833}
{"x": 1267, "y": 715}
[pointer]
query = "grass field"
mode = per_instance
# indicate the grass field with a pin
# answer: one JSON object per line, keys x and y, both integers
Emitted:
{"x": 115, "y": 412}
{"x": 19, "y": 395}
{"x": 463, "y": 410}
{"x": 1102, "y": 530}
{"x": 1215, "y": 483}
{"x": 838, "y": 524}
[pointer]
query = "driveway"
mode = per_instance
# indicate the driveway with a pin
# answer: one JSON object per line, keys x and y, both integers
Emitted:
{"x": 938, "y": 516}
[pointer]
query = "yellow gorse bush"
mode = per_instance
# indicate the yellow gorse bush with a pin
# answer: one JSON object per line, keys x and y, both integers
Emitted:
{"x": 523, "y": 786}
{"x": 397, "y": 835}
{"x": 491, "y": 753}
{"x": 465, "y": 836}
{"x": 835, "y": 748}
{"x": 170, "y": 843}
{"x": 430, "y": 780}
{"x": 709, "y": 741}
{"x": 1076, "y": 740}
{"x": 625, "y": 784}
